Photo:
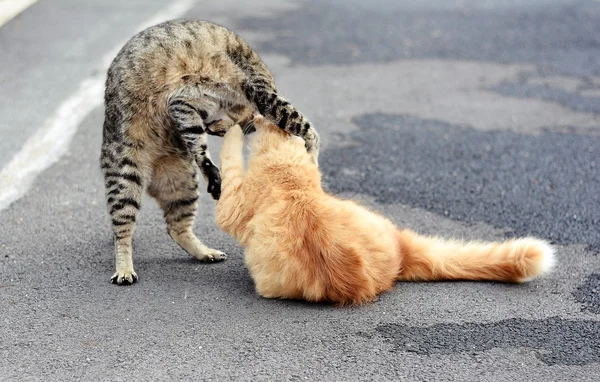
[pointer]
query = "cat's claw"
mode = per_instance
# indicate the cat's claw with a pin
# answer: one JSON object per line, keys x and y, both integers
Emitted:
{"x": 214, "y": 187}
{"x": 124, "y": 278}
{"x": 213, "y": 257}
{"x": 218, "y": 127}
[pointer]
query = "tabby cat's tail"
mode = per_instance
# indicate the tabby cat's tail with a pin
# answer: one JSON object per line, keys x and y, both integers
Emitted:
{"x": 279, "y": 111}
{"x": 431, "y": 258}
{"x": 259, "y": 88}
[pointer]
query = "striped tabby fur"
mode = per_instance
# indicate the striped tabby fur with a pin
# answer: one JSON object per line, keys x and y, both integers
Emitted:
{"x": 168, "y": 87}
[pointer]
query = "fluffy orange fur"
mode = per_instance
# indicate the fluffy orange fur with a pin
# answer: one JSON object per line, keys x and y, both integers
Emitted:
{"x": 302, "y": 243}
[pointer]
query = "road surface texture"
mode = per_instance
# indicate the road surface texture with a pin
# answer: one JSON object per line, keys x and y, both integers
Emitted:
{"x": 472, "y": 119}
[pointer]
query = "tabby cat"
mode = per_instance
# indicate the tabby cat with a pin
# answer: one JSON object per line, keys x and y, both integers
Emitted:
{"x": 301, "y": 243}
{"x": 168, "y": 87}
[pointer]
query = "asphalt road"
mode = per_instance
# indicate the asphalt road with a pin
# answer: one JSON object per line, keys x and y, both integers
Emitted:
{"x": 473, "y": 119}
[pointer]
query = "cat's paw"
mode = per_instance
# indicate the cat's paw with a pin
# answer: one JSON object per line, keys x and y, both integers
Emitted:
{"x": 235, "y": 133}
{"x": 219, "y": 127}
{"x": 214, "y": 186}
{"x": 124, "y": 277}
{"x": 211, "y": 256}
{"x": 213, "y": 177}
{"x": 315, "y": 157}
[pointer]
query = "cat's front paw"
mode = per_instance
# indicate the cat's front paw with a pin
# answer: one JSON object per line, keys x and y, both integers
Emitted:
{"x": 213, "y": 177}
{"x": 219, "y": 127}
{"x": 127, "y": 277}
{"x": 214, "y": 186}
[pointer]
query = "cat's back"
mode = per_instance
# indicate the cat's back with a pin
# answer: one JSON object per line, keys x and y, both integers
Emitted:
{"x": 323, "y": 249}
{"x": 353, "y": 227}
{"x": 174, "y": 53}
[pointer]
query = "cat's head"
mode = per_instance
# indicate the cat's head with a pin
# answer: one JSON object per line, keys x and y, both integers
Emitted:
{"x": 258, "y": 121}
{"x": 264, "y": 125}
{"x": 269, "y": 135}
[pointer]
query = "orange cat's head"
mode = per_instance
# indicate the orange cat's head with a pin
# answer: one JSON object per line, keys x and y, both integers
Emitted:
{"x": 282, "y": 156}
{"x": 264, "y": 125}
{"x": 269, "y": 137}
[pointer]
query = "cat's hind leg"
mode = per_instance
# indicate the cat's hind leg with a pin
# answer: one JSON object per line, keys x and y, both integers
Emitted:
{"x": 123, "y": 181}
{"x": 175, "y": 186}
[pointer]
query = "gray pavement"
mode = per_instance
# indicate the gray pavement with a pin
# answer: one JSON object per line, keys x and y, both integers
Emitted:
{"x": 472, "y": 119}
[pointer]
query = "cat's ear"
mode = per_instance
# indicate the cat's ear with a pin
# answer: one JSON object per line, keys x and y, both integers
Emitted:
{"x": 260, "y": 121}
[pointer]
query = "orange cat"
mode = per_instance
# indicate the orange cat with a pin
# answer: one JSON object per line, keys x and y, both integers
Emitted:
{"x": 301, "y": 243}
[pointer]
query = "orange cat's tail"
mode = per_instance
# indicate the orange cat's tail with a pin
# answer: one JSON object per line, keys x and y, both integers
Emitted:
{"x": 430, "y": 258}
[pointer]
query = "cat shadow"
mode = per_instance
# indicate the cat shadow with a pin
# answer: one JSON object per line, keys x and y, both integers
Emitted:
{"x": 231, "y": 275}
{"x": 235, "y": 278}
{"x": 177, "y": 270}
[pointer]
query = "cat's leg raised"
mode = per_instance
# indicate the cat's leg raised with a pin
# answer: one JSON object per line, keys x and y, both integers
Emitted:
{"x": 209, "y": 171}
{"x": 175, "y": 186}
{"x": 232, "y": 159}
{"x": 228, "y": 207}
{"x": 188, "y": 116}
{"x": 124, "y": 185}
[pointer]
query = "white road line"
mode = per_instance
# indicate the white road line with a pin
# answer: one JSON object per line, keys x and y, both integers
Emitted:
{"x": 11, "y": 8}
{"x": 52, "y": 141}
